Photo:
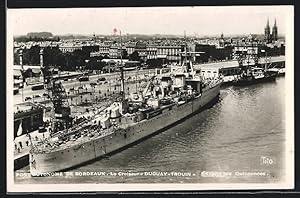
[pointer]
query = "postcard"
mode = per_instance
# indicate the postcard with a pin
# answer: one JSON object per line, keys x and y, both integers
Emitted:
{"x": 150, "y": 98}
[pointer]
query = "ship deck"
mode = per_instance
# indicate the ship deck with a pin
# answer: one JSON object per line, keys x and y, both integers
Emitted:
{"x": 21, "y": 154}
{"x": 53, "y": 144}
{"x": 89, "y": 130}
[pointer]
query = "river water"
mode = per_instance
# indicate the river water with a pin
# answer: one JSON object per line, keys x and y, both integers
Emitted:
{"x": 239, "y": 139}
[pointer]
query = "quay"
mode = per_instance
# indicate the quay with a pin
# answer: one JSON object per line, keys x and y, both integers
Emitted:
{"x": 234, "y": 63}
{"x": 208, "y": 70}
{"x": 230, "y": 68}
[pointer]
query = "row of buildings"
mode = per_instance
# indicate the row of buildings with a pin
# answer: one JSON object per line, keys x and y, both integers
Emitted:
{"x": 172, "y": 52}
{"x": 169, "y": 50}
{"x": 144, "y": 50}
{"x": 202, "y": 51}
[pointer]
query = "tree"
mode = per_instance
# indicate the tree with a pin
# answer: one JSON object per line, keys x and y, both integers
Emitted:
{"x": 92, "y": 64}
{"x": 154, "y": 63}
{"x": 134, "y": 56}
{"x": 78, "y": 58}
{"x": 52, "y": 56}
{"x": 124, "y": 54}
{"x": 32, "y": 56}
{"x": 70, "y": 60}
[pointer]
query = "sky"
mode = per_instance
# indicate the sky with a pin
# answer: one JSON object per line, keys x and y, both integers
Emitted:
{"x": 196, "y": 21}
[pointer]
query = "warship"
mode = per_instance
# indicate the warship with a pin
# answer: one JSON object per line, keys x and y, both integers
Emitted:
{"x": 169, "y": 96}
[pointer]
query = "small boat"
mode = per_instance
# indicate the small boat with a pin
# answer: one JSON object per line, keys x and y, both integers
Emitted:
{"x": 254, "y": 75}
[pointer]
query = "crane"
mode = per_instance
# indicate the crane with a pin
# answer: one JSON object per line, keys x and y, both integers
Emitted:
{"x": 58, "y": 97}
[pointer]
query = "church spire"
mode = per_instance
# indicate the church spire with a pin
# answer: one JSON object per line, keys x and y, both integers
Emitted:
{"x": 275, "y": 31}
{"x": 267, "y": 32}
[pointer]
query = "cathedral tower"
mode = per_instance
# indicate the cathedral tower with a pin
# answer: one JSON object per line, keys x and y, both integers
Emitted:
{"x": 267, "y": 32}
{"x": 275, "y": 32}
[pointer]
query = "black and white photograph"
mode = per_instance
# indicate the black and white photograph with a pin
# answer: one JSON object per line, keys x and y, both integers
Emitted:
{"x": 150, "y": 98}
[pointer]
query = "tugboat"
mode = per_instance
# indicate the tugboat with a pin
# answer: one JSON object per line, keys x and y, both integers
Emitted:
{"x": 167, "y": 98}
{"x": 253, "y": 74}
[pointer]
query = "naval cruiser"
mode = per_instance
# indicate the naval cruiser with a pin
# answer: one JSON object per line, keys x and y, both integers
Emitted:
{"x": 169, "y": 96}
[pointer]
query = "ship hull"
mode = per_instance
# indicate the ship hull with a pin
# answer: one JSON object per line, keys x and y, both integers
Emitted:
{"x": 246, "y": 82}
{"x": 41, "y": 164}
{"x": 281, "y": 74}
{"x": 21, "y": 162}
{"x": 21, "y": 158}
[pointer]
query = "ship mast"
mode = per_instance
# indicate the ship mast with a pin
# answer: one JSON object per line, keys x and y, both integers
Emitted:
{"x": 185, "y": 49}
{"x": 189, "y": 67}
{"x": 122, "y": 72}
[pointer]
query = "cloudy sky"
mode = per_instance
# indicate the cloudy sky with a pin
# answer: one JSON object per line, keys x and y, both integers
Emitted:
{"x": 159, "y": 20}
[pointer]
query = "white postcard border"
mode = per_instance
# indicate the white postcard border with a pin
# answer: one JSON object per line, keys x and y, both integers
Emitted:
{"x": 288, "y": 183}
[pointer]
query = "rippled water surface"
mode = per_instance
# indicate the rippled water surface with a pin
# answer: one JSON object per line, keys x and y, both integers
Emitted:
{"x": 246, "y": 124}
